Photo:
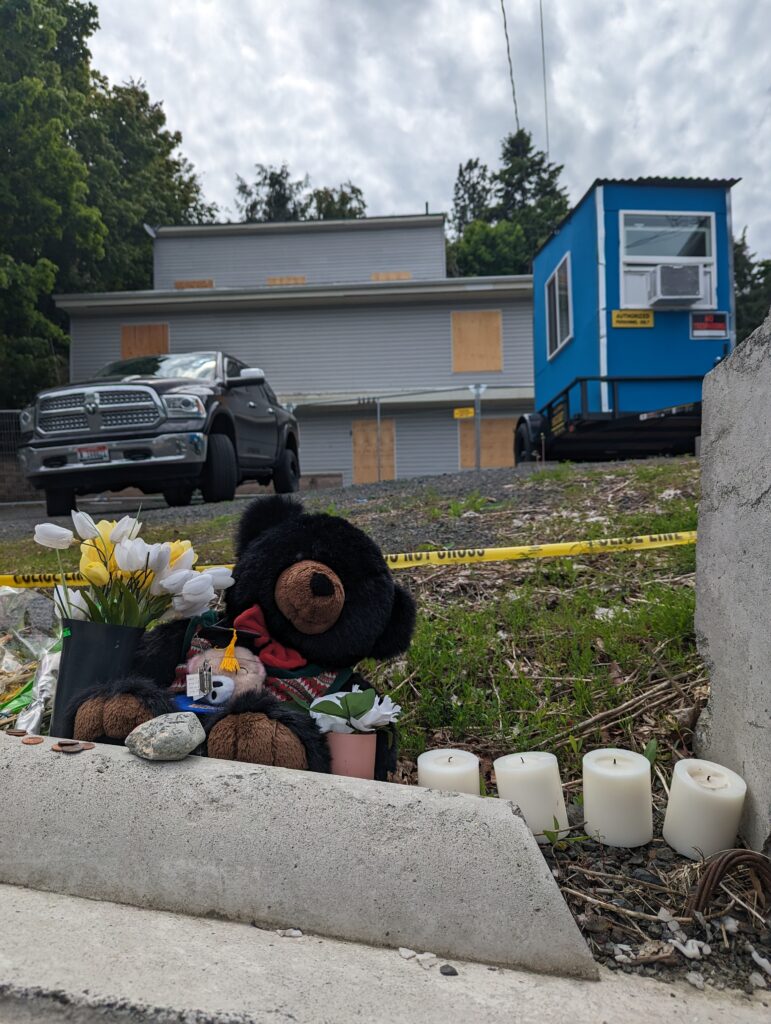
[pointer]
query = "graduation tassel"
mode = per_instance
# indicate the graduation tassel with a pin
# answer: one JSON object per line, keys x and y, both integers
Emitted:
{"x": 229, "y": 661}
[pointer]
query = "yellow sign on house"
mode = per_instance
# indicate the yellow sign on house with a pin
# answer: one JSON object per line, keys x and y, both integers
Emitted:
{"x": 465, "y": 412}
{"x": 631, "y": 318}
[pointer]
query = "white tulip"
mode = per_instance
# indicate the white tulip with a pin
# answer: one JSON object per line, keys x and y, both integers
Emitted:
{"x": 220, "y": 576}
{"x": 70, "y": 604}
{"x": 132, "y": 555}
{"x": 126, "y": 528}
{"x": 199, "y": 587}
{"x": 175, "y": 581}
{"x": 185, "y": 561}
{"x": 187, "y": 608}
{"x": 84, "y": 525}
{"x": 49, "y": 535}
{"x": 158, "y": 558}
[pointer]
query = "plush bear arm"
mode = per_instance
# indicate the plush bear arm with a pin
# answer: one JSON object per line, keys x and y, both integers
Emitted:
{"x": 160, "y": 651}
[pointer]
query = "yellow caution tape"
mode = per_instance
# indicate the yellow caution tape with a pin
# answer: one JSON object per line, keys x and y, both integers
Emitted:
{"x": 455, "y": 556}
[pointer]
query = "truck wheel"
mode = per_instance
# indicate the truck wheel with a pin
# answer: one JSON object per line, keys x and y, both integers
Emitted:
{"x": 286, "y": 475}
{"x": 523, "y": 449}
{"x": 178, "y": 495}
{"x": 60, "y": 502}
{"x": 220, "y": 473}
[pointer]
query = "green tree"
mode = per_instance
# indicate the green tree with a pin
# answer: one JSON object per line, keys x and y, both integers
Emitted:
{"x": 274, "y": 195}
{"x": 752, "y": 284}
{"x": 343, "y": 203}
{"x": 82, "y": 166}
{"x": 525, "y": 192}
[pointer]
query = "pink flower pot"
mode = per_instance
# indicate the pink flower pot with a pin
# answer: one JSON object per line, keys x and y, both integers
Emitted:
{"x": 353, "y": 753}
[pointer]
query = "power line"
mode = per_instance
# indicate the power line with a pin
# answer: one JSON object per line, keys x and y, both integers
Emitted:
{"x": 511, "y": 69}
{"x": 543, "y": 69}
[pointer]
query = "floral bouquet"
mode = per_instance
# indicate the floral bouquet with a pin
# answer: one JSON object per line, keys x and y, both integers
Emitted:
{"x": 131, "y": 582}
{"x": 130, "y": 586}
{"x": 355, "y": 711}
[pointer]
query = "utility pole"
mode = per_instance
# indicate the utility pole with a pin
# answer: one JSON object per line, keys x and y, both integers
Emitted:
{"x": 477, "y": 390}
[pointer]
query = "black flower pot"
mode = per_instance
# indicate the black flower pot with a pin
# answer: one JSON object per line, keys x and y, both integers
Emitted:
{"x": 93, "y": 654}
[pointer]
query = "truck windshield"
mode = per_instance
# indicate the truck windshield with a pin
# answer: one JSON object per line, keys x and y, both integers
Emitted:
{"x": 195, "y": 365}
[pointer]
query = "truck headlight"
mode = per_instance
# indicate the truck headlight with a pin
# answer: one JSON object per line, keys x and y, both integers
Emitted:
{"x": 27, "y": 419}
{"x": 184, "y": 407}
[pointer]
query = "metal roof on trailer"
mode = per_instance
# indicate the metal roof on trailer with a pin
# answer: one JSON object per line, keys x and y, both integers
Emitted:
{"x": 454, "y": 288}
{"x": 653, "y": 180}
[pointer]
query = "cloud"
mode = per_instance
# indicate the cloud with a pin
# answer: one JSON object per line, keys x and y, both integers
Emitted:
{"x": 394, "y": 94}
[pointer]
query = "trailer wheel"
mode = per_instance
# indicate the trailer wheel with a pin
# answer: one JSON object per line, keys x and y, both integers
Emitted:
{"x": 523, "y": 448}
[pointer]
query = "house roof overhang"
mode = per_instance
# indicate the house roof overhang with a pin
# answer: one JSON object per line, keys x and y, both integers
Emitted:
{"x": 161, "y": 302}
{"x": 291, "y": 227}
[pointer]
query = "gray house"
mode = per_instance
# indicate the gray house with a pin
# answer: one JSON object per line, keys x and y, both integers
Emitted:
{"x": 356, "y": 325}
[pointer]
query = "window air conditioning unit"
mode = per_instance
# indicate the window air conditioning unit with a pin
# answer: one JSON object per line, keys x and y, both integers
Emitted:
{"x": 676, "y": 284}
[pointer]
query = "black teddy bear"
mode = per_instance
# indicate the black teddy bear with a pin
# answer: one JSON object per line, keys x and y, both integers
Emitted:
{"x": 312, "y": 597}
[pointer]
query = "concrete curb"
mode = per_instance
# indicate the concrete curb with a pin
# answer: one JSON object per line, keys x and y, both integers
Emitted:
{"x": 369, "y": 862}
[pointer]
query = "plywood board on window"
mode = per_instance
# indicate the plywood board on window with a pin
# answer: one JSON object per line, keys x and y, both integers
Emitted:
{"x": 144, "y": 340}
{"x": 477, "y": 341}
{"x": 365, "y": 451}
{"x": 497, "y": 443}
{"x": 391, "y": 275}
{"x": 203, "y": 282}
{"x": 286, "y": 279}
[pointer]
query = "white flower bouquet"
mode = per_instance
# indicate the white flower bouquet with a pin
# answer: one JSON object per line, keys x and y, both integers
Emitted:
{"x": 130, "y": 582}
{"x": 354, "y": 711}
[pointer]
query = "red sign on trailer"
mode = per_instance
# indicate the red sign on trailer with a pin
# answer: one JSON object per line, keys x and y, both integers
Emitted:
{"x": 709, "y": 325}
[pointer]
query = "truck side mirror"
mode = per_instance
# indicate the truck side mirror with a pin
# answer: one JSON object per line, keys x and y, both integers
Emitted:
{"x": 249, "y": 376}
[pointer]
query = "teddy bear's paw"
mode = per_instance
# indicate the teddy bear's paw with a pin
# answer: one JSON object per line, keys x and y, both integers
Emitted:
{"x": 122, "y": 714}
{"x": 256, "y": 739}
{"x": 89, "y": 720}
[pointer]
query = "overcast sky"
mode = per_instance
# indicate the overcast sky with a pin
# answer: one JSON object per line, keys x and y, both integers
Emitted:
{"x": 394, "y": 94}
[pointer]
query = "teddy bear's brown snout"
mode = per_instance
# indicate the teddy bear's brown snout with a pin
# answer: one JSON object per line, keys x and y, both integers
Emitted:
{"x": 311, "y": 596}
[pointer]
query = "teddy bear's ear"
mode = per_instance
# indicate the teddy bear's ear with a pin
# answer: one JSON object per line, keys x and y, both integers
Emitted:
{"x": 261, "y": 515}
{"x": 396, "y": 637}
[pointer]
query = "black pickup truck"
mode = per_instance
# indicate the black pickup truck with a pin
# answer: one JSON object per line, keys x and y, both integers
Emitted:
{"x": 169, "y": 423}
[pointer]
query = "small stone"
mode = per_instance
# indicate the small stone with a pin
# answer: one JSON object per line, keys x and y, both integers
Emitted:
{"x": 645, "y": 876}
{"x": 166, "y": 738}
{"x": 695, "y": 979}
{"x": 406, "y": 954}
{"x": 761, "y": 961}
{"x": 426, "y": 960}
{"x": 730, "y": 924}
{"x": 596, "y": 925}
{"x": 665, "y": 854}
{"x": 691, "y": 949}
{"x": 450, "y": 972}
{"x": 757, "y": 980}
{"x": 664, "y": 914}
{"x": 289, "y": 933}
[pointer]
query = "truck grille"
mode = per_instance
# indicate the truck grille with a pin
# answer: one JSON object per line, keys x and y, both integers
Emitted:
{"x": 93, "y": 411}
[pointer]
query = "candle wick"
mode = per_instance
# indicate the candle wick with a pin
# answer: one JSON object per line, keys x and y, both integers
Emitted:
{"x": 522, "y": 760}
{"x": 614, "y": 760}
{"x": 449, "y": 759}
{"x": 709, "y": 777}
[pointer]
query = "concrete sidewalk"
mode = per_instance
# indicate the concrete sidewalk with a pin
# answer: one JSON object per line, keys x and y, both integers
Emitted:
{"x": 68, "y": 959}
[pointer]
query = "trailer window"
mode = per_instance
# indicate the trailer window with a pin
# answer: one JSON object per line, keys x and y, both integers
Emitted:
{"x": 652, "y": 238}
{"x": 559, "y": 308}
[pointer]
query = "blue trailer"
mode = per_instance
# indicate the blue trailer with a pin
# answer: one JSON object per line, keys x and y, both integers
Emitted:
{"x": 633, "y": 304}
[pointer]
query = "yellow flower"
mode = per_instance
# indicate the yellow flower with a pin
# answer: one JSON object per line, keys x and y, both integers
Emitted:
{"x": 178, "y": 549}
{"x": 99, "y": 550}
{"x": 95, "y": 572}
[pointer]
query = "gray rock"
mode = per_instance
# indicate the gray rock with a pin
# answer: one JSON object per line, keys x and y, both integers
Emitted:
{"x": 756, "y": 980}
{"x": 166, "y": 738}
{"x": 695, "y": 979}
{"x": 449, "y": 971}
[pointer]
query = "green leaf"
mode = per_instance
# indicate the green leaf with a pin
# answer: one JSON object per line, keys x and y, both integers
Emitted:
{"x": 651, "y": 749}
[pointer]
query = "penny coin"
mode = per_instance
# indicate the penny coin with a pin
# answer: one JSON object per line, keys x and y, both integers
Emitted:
{"x": 68, "y": 743}
{"x": 72, "y": 750}
{"x": 16, "y": 732}
{"x": 87, "y": 746}
{"x": 32, "y": 741}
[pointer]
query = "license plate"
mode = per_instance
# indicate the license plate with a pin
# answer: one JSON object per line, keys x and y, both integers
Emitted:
{"x": 93, "y": 453}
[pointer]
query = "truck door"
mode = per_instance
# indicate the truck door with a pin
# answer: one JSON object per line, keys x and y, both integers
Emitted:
{"x": 264, "y": 425}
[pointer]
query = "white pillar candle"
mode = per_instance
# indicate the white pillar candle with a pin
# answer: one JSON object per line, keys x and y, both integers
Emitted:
{"x": 455, "y": 771}
{"x": 704, "y": 808}
{"x": 618, "y": 805}
{"x": 532, "y": 781}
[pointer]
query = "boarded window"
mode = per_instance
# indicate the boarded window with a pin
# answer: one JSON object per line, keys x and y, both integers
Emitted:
{"x": 287, "y": 279}
{"x": 365, "y": 451}
{"x": 204, "y": 282}
{"x": 477, "y": 342}
{"x": 391, "y": 275}
{"x": 144, "y": 340}
{"x": 497, "y": 443}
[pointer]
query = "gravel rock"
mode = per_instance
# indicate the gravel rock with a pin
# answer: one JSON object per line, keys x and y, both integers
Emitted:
{"x": 695, "y": 979}
{"x": 289, "y": 933}
{"x": 756, "y": 980}
{"x": 406, "y": 954}
{"x": 426, "y": 960}
{"x": 450, "y": 972}
{"x": 166, "y": 738}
